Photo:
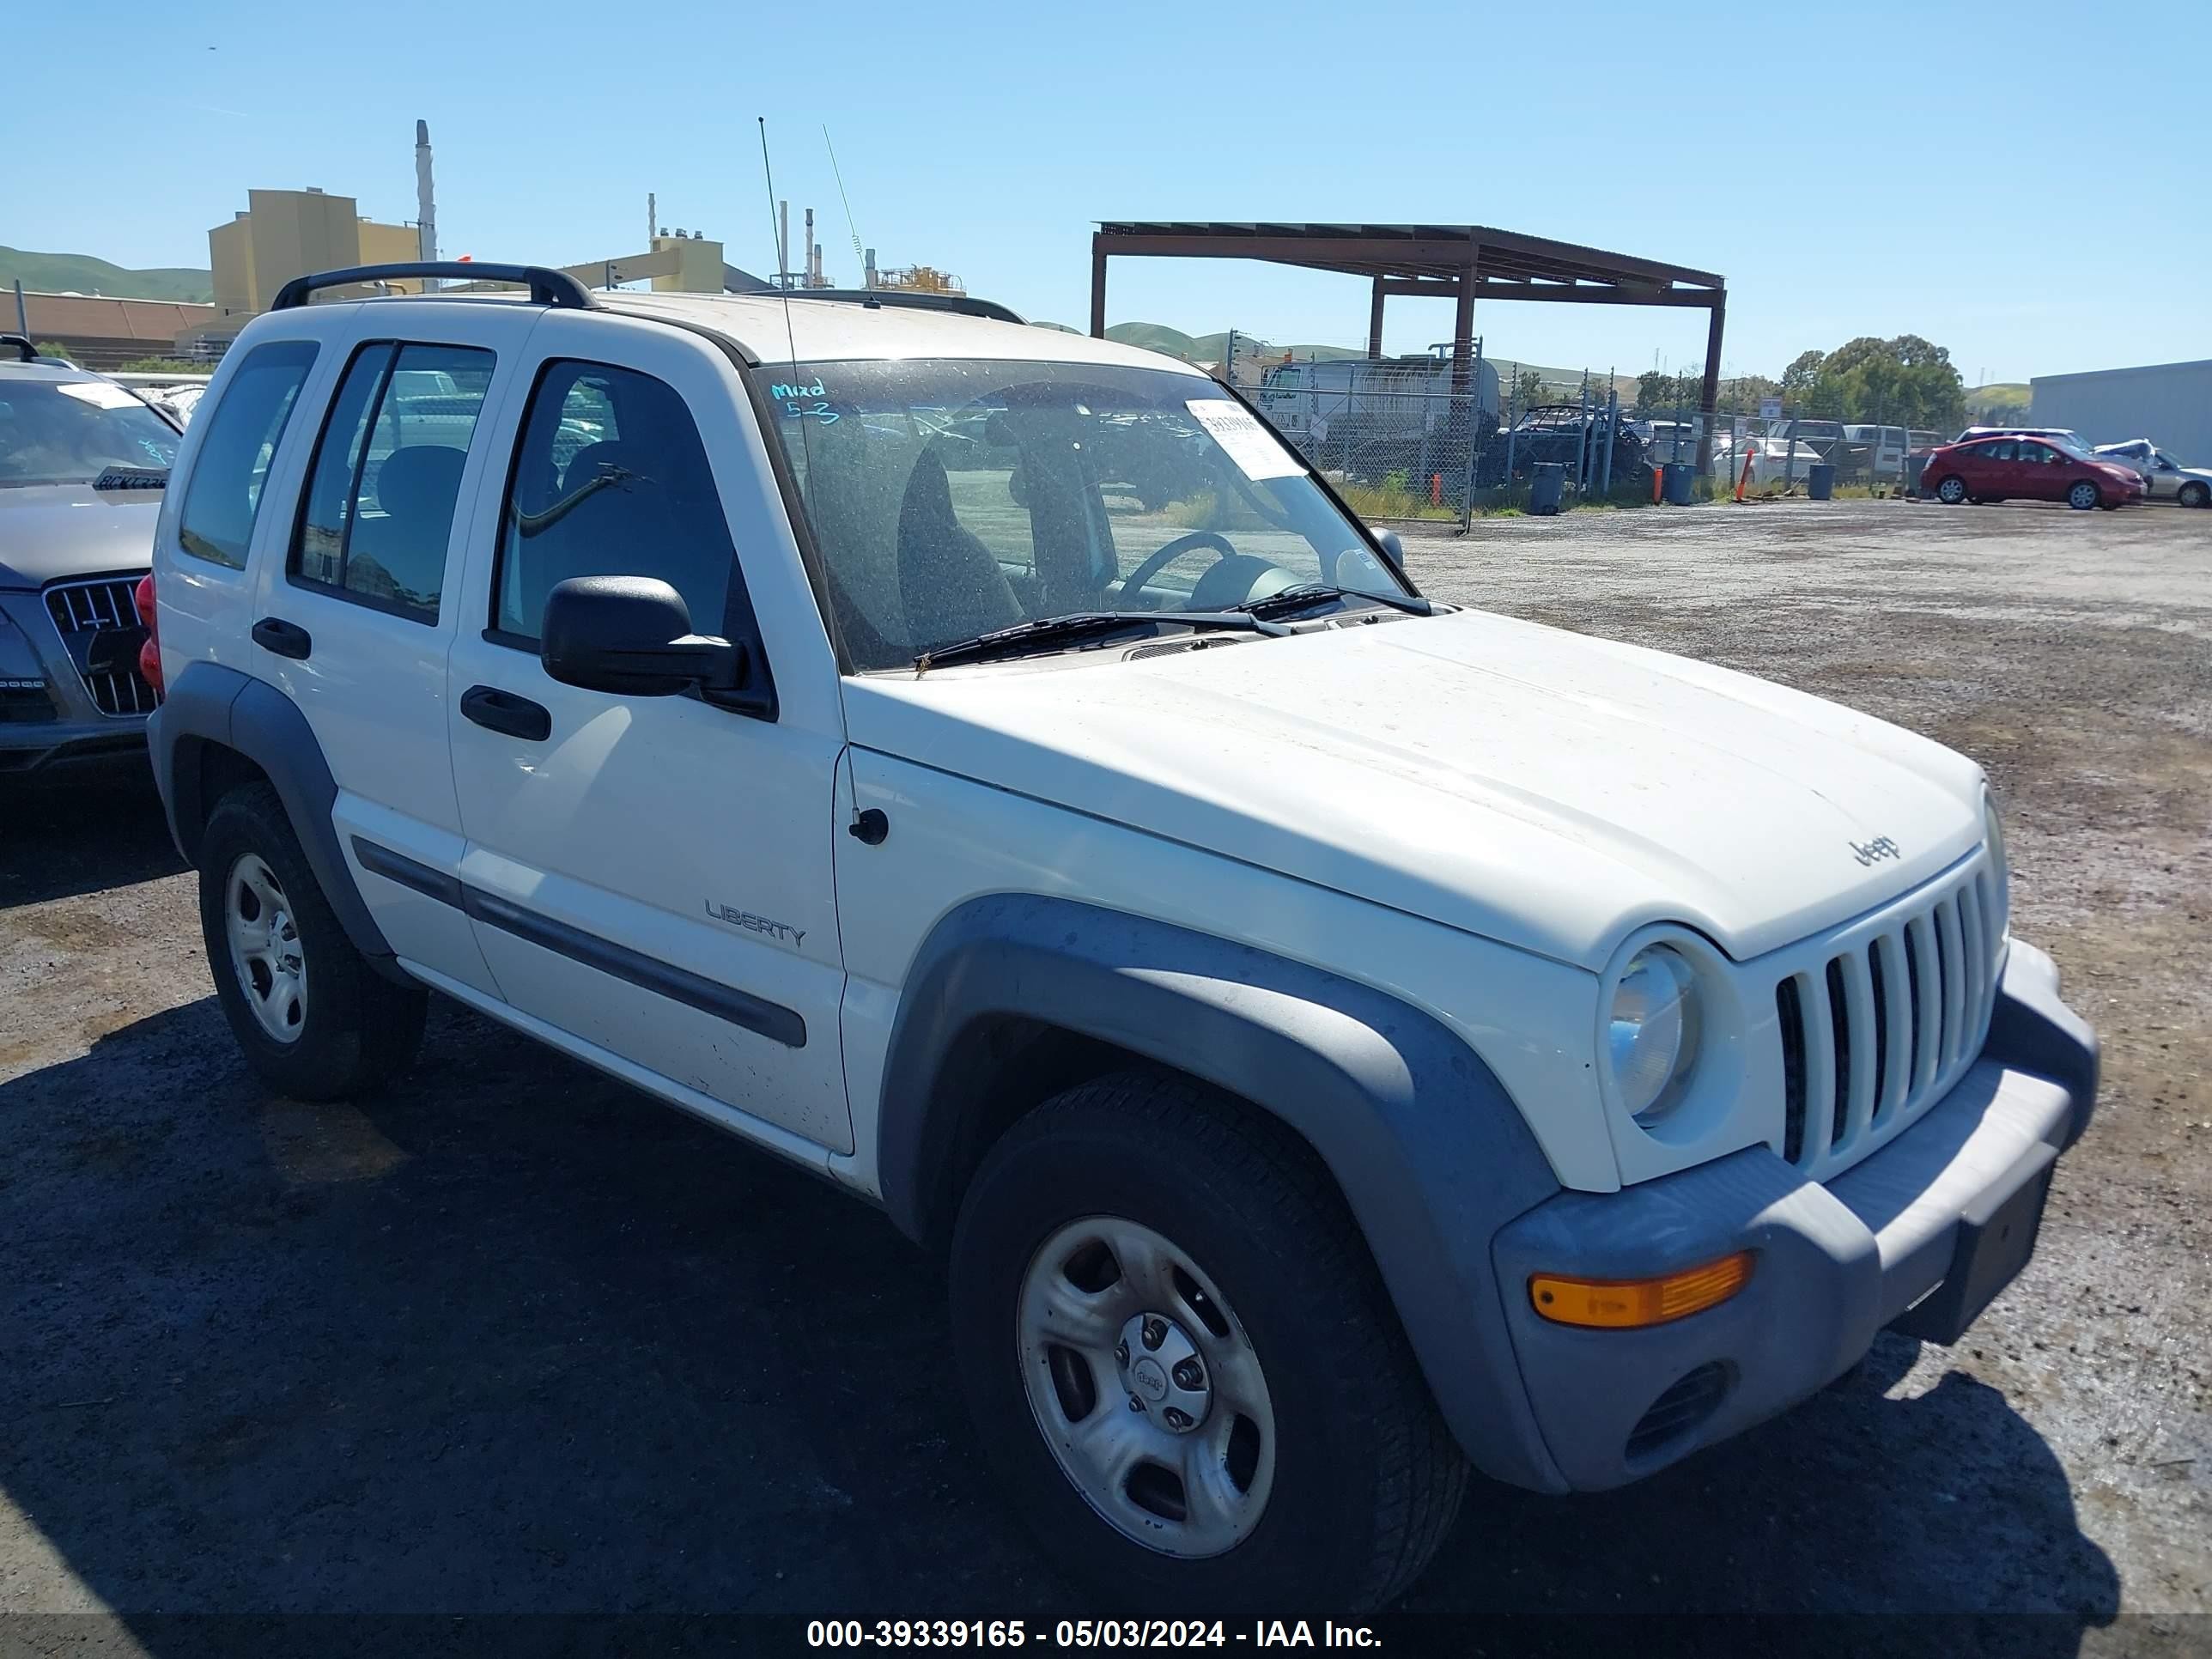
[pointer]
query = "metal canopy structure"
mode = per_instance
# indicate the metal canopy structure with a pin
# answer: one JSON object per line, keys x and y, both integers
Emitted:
{"x": 1459, "y": 263}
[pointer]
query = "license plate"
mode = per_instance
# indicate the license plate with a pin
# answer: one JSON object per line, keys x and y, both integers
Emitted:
{"x": 1993, "y": 1244}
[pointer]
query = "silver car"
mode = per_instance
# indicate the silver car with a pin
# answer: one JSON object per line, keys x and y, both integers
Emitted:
{"x": 2165, "y": 478}
{"x": 83, "y": 464}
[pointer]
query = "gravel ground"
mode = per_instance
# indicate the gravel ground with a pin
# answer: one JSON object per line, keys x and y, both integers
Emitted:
{"x": 511, "y": 1338}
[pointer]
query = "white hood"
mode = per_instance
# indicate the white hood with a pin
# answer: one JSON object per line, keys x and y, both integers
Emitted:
{"x": 1534, "y": 786}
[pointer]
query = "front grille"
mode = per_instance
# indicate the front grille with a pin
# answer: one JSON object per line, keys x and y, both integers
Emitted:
{"x": 100, "y": 628}
{"x": 1874, "y": 1029}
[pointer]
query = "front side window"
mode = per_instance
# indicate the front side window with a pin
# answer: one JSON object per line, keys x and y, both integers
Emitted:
{"x": 224, "y": 493}
{"x": 611, "y": 479}
{"x": 378, "y": 514}
{"x": 950, "y": 498}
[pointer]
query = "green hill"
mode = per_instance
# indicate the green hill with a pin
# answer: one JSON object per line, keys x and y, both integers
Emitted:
{"x": 80, "y": 273}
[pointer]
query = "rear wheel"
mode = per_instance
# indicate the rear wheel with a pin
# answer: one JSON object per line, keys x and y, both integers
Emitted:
{"x": 1185, "y": 1369}
{"x": 2083, "y": 497}
{"x": 316, "y": 1021}
{"x": 2195, "y": 495}
{"x": 1951, "y": 491}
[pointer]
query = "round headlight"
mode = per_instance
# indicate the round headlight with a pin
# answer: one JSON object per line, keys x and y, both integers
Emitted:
{"x": 1654, "y": 1032}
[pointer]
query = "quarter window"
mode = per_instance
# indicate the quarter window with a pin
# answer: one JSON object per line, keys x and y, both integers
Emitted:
{"x": 224, "y": 495}
{"x": 611, "y": 479}
{"x": 378, "y": 514}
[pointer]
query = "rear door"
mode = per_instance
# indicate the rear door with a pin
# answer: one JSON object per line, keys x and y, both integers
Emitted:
{"x": 651, "y": 877}
{"x": 355, "y": 620}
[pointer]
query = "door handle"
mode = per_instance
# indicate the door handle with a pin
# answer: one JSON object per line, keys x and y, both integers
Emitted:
{"x": 285, "y": 639}
{"x": 502, "y": 711}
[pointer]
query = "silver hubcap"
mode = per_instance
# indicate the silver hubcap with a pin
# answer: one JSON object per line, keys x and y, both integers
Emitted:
{"x": 1145, "y": 1387}
{"x": 1952, "y": 490}
{"x": 2085, "y": 495}
{"x": 264, "y": 948}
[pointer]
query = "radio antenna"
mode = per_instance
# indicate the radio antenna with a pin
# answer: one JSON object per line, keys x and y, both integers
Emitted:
{"x": 783, "y": 278}
{"x": 851, "y": 229}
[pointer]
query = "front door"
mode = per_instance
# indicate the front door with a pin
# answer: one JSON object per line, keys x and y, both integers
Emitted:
{"x": 652, "y": 875}
{"x": 2043, "y": 473}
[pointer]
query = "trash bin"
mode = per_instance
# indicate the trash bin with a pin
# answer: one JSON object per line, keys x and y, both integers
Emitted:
{"x": 1546, "y": 479}
{"x": 1820, "y": 482}
{"x": 1915, "y": 467}
{"x": 1682, "y": 477}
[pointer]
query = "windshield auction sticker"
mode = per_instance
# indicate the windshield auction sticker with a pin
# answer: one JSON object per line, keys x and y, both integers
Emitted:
{"x": 1250, "y": 444}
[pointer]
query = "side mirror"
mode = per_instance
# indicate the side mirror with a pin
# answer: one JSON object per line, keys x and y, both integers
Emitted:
{"x": 632, "y": 634}
{"x": 1394, "y": 549}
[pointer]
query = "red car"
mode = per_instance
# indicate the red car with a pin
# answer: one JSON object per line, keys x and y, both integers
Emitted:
{"x": 2033, "y": 468}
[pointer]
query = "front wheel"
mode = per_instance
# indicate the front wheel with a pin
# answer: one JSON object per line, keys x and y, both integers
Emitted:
{"x": 1951, "y": 491}
{"x": 2083, "y": 497}
{"x": 2195, "y": 495}
{"x": 314, "y": 1019}
{"x": 1183, "y": 1365}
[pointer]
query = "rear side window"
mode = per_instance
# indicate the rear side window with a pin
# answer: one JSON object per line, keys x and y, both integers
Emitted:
{"x": 611, "y": 479}
{"x": 378, "y": 510}
{"x": 224, "y": 495}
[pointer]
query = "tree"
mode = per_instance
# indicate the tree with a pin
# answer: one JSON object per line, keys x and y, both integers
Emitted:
{"x": 52, "y": 349}
{"x": 1653, "y": 389}
{"x": 1529, "y": 388}
{"x": 1904, "y": 381}
{"x": 1803, "y": 371}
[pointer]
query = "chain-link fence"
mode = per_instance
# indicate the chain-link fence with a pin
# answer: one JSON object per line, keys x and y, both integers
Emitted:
{"x": 1423, "y": 437}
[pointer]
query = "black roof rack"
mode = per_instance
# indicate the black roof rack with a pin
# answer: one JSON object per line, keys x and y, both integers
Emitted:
{"x": 547, "y": 287}
{"x": 24, "y": 350}
{"x": 911, "y": 299}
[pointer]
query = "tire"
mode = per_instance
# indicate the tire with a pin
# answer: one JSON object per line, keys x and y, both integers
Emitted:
{"x": 314, "y": 1019}
{"x": 2083, "y": 497}
{"x": 1951, "y": 491}
{"x": 1276, "y": 1284}
{"x": 2195, "y": 495}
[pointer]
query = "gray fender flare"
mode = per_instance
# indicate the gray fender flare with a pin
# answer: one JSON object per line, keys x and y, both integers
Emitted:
{"x": 210, "y": 703}
{"x": 1431, "y": 1155}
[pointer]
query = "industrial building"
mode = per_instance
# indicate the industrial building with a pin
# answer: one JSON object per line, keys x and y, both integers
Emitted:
{"x": 2169, "y": 403}
{"x": 99, "y": 332}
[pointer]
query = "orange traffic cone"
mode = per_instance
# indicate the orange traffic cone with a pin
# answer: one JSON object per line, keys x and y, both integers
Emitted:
{"x": 1743, "y": 479}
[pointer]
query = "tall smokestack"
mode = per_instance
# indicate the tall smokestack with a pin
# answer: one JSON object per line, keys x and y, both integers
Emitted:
{"x": 810, "y": 282}
{"x": 426, "y": 204}
{"x": 651, "y": 218}
{"x": 783, "y": 243}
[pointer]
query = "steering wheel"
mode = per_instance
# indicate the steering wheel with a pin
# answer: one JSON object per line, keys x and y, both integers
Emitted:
{"x": 1133, "y": 585}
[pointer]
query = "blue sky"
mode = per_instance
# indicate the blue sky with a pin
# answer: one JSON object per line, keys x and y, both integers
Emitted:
{"x": 2013, "y": 181}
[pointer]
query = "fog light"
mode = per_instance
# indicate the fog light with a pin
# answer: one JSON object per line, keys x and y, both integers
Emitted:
{"x": 1627, "y": 1303}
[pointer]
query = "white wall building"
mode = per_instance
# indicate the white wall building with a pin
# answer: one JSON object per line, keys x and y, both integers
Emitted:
{"x": 2169, "y": 403}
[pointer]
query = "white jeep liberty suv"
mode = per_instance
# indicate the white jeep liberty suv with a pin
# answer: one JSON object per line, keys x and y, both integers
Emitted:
{"x": 1337, "y": 1040}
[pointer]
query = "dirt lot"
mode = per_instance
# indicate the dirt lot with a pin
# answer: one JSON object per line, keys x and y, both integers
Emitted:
{"x": 511, "y": 1338}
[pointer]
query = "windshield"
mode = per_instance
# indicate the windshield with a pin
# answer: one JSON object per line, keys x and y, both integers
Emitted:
{"x": 72, "y": 431}
{"x": 951, "y": 498}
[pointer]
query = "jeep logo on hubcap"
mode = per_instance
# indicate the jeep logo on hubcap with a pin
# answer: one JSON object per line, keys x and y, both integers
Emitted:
{"x": 1151, "y": 1382}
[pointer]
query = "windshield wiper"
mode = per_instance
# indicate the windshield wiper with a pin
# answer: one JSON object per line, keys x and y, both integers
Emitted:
{"x": 1311, "y": 593}
{"x": 1022, "y": 637}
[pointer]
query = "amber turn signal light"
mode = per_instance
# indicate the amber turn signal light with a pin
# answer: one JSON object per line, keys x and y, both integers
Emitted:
{"x": 1628, "y": 1303}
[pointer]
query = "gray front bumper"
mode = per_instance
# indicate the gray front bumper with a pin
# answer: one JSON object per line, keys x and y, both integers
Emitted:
{"x": 1834, "y": 1263}
{"x": 32, "y": 651}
